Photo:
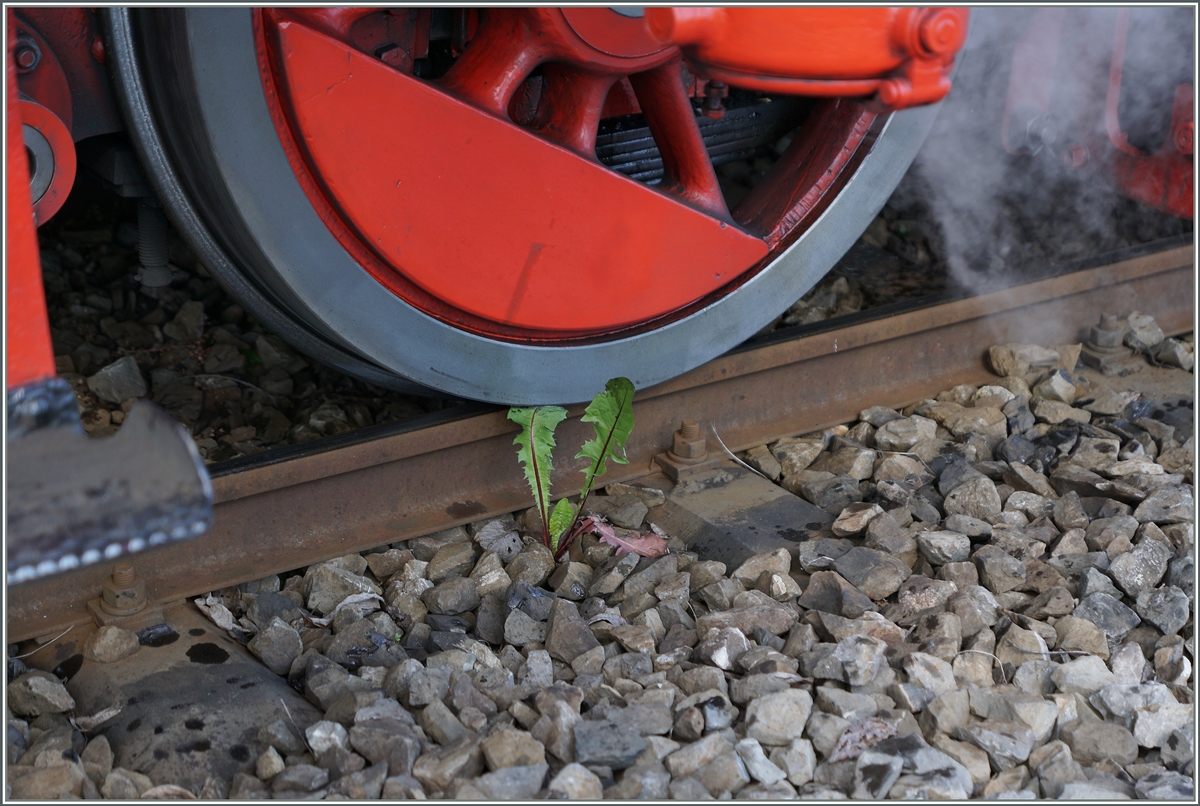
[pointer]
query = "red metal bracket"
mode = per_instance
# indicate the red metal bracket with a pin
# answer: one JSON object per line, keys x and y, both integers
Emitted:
{"x": 29, "y": 351}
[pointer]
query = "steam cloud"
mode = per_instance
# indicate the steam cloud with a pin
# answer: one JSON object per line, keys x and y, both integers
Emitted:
{"x": 991, "y": 206}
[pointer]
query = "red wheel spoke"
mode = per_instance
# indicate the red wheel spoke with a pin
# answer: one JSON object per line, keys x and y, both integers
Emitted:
{"x": 498, "y": 59}
{"x": 688, "y": 172}
{"x": 570, "y": 105}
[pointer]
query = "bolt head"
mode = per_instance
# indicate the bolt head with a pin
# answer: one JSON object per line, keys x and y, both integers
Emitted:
{"x": 689, "y": 448}
{"x": 26, "y": 57}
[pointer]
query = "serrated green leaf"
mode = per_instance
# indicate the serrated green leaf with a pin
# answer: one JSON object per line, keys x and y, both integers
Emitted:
{"x": 560, "y": 520}
{"x": 535, "y": 444}
{"x": 611, "y": 416}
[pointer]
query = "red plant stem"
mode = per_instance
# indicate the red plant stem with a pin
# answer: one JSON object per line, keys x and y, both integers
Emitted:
{"x": 537, "y": 479}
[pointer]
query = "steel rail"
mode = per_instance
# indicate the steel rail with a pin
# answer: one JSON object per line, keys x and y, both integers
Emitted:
{"x": 302, "y": 505}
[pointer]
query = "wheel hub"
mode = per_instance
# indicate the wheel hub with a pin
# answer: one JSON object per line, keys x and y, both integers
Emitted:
{"x": 613, "y": 31}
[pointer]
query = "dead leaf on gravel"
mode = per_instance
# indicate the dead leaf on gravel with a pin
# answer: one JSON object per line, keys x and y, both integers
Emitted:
{"x": 88, "y": 723}
{"x": 647, "y": 545}
{"x": 220, "y": 615}
{"x": 353, "y": 598}
{"x": 493, "y": 531}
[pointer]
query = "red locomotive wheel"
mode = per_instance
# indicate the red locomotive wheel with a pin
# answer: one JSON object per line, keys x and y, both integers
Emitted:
{"x": 440, "y": 214}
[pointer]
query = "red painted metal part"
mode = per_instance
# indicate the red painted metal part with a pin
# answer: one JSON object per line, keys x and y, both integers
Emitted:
{"x": 810, "y": 172}
{"x": 29, "y": 351}
{"x": 71, "y": 80}
{"x": 901, "y": 56}
{"x": 688, "y": 173}
{"x": 59, "y": 138}
{"x": 571, "y": 246}
{"x": 1166, "y": 178}
{"x": 39, "y": 74}
{"x": 613, "y": 33}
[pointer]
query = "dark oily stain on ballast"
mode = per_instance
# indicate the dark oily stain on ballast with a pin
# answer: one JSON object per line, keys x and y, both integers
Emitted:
{"x": 198, "y": 746}
{"x": 207, "y": 653}
{"x": 158, "y": 635}
{"x": 465, "y": 509}
{"x": 194, "y": 724}
{"x": 68, "y": 668}
{"x": 240, "y": 753}
{"x": 196, "y": 632}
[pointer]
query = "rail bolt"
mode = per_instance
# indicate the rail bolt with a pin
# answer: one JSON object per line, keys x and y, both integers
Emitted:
{"x": 124, "y": 592}
{"x": 1109, "y": 333}
{"x": 689, "y": 446}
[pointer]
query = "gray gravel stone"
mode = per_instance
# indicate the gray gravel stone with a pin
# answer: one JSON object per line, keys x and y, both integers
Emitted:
{"x": 832, "y": 494}
{"x": 300, "y": 778}
{"x": 277, "y": 645}
{"x": 577, "y": 782}
{"x": 1142, "y": 568}
{"x": 1153, "y": 724}
{"x": 862, "y": 658}
{"x": 1006, "y": 743}
{"x": 1093, "y": 741}
{"x": 36, "y": 692}
{"x": 1174, "y": 504}
{"x": 1167, "y": 608}
{"x": 998, "y": 570}
{"x": 604, "y": 742}
{"x": 110, "y": 644}
{"x": 976, "y": 498}
{"x": 1107, "y": 613}
{"x": 512, "y": 783}
{"x": 119, "y": 381}
{"x": 1085, "y": 675}
{"x": 1166, "y": 785}
{"x": 722, "y": 647}
{"x": 940, "y": 548}
{"x": 778, "y": 718}
{"x": 876, "y": 574}
{"x": 520, "y": 629}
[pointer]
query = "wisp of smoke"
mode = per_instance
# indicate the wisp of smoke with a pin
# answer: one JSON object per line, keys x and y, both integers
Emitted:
{"x": 987, "y": 200}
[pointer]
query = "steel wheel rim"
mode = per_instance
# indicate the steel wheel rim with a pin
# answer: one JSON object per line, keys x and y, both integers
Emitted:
{"x": 389, "y": 333}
